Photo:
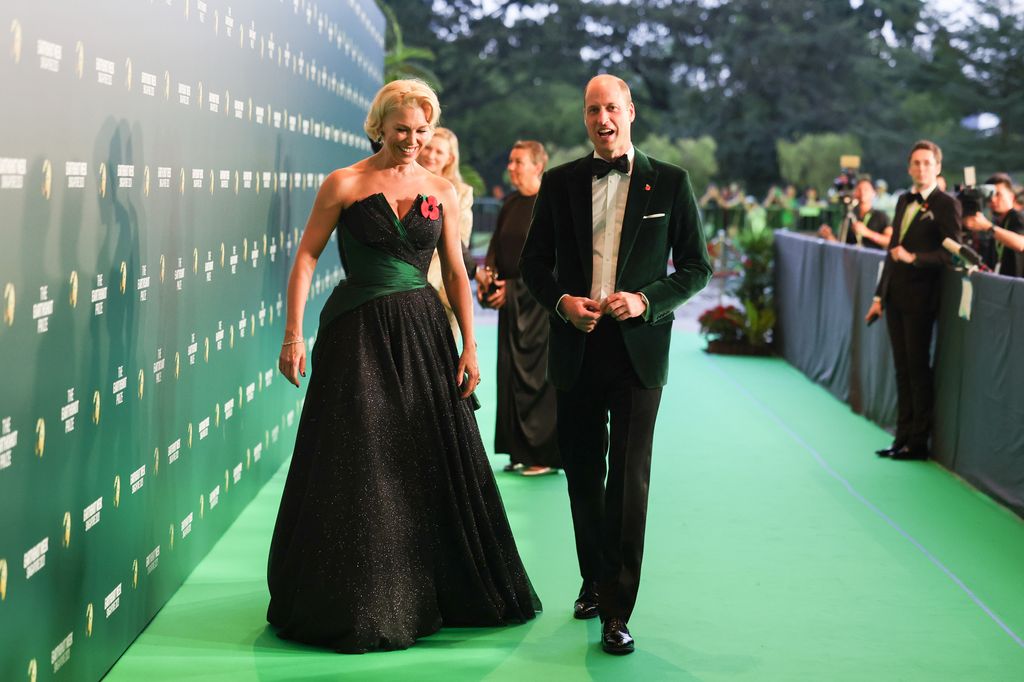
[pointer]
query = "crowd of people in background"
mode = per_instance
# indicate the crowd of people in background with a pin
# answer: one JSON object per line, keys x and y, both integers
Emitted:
{"x": 997, "y": 233}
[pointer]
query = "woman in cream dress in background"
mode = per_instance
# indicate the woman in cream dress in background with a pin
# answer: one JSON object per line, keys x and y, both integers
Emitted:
{"x": 441, "y": 157}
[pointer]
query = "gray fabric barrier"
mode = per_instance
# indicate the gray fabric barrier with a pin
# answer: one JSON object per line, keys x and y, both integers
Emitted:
{"x": 822, "y": 292}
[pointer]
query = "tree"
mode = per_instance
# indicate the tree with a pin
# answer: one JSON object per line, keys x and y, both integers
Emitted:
{"x": 813, "y": 160}
{"x": 697, "y": 156}
{"x": 405, "y": 61}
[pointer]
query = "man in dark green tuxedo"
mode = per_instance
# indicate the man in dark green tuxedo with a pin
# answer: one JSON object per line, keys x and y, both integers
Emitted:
{"x": 604, "y": 229}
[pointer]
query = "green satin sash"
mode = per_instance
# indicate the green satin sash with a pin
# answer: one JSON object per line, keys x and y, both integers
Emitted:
{"x": 371, "y": 274}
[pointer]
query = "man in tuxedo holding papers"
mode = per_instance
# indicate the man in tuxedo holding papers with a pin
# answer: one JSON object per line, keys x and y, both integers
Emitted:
{"x": 604, "y": 227}
{"x": 908, "y": 291}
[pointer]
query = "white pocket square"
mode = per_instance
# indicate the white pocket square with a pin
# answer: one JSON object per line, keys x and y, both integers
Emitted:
{"x": 653, "y": 215}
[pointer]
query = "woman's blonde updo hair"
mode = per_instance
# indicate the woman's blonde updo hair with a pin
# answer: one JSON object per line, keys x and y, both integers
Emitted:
{"x": 397, "y": 94}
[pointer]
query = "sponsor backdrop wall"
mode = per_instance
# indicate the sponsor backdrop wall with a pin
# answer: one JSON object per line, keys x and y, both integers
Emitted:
{"x": 158, "y": 159}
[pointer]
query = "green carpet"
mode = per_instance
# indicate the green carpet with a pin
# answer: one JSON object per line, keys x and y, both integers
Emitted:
{"x": 778, "y": 548}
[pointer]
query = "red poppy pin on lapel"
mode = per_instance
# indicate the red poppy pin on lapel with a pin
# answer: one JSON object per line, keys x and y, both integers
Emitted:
{"x": 647, "y": 188}
{"x": 429, "y": 208}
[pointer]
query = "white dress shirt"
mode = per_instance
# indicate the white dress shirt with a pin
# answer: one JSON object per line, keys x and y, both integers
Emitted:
{"x": 608, "y": 198}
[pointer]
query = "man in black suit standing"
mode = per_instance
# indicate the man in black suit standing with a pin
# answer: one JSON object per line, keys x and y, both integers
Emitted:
{"x": 909, "y": 293}
{"x": 603, "y": 229}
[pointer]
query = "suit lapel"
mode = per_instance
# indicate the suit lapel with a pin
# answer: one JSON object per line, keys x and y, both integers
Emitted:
{"x": 581, "y": 207}
{"x": 917, "y": 216}
{"x": 641, "y": 184}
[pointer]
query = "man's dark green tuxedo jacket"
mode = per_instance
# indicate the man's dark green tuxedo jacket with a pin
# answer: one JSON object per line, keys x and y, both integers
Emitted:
{"x": 558, "y": 259}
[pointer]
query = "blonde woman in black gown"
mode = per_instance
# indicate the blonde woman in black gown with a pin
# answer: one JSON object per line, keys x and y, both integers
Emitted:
{"x": 390, "y": 526}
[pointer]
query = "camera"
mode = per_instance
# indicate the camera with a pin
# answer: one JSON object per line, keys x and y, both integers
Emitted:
{"x": 845, "y": 182}
{"x": 971, "y": 195}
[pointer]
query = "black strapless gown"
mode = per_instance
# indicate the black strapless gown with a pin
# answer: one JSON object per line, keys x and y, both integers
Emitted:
{"x": 391, "y": 525}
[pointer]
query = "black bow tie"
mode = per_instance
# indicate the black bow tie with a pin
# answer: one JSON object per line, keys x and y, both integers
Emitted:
{"x": 917, "y": 198}
{"x": 600, "y": 168}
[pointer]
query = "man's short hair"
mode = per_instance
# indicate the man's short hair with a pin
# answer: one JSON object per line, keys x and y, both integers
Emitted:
{"x": 930, "y": 146}
{"x": 535, "y": 149}
{"x": 865, "y": 177}
{"x": 623, "y": 86}
{"x": 1002, "y": 179}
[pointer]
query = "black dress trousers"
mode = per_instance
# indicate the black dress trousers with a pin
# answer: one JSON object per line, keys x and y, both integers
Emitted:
{"x": 609, "y": 516}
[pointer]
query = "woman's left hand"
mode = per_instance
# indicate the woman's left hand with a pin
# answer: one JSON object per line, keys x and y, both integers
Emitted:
{"x": 468, "y": 373}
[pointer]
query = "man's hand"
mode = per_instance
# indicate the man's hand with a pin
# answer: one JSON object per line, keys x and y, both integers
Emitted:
{"x": 859, "y": 227}
{"x": 582, "y": 312}
{"x": 874, "y": 312}
{"x": 977, "y": 222}
{"x": 497, "y": 299}
{"x": 825, "y": 232}
{"x": 623, "y": 305}
{"x": 902, "y": 255}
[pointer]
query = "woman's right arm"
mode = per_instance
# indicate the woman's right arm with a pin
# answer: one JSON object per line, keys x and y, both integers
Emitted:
{"x": 321, "y": 222}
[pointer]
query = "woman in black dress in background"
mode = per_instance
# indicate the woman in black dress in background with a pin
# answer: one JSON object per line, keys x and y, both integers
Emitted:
{"x": 390, "y": 525}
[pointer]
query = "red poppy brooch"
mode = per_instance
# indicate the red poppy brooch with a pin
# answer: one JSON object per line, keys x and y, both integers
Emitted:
{"x": 429, "y": 208}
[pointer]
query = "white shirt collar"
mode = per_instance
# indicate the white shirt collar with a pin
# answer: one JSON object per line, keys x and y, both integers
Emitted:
{"x": 927, "y": 191}
{"x": 630, "y": 153}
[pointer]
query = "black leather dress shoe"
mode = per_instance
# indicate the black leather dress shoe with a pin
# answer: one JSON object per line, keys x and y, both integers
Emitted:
{"x": 908, "y": 453}
{"x": 615, "y": 637}
{"x": 887, "y": 452}
{"x": 585, "y": 607}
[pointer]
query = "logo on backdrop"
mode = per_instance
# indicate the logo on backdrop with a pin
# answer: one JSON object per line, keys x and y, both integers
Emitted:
{"x": 73, "y": 285}
{"x": 103, "y": 179}
{"x": 128, "y": 73}
{"x": 142, "y": 384}
{"x": 135, "y": 573}
{"x": 67, "y": 529}
{"x": 79, "y": 59}
{"x": 40, "y": 436}
{"x": 156, "y": 461}
{"x": 9, "y": 299}
{"x": 96, "y": 407}
{"x": 145, "y": 181}
{"x": 33, "y": 670}
{"x": 117, "y": 491}
{"x": 3, "y": 579}
{"x": 124, "y": 276}
{"x": 47, "y": 179}
{"x": 16, "y": 41}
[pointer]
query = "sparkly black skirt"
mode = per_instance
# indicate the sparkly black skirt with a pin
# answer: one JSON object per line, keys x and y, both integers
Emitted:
{"x": 391, "y": 525}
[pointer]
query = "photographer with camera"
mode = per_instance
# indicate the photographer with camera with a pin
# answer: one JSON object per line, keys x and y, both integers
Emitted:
{"x": 863, "y": 224}
{"x": 1001, "y": 240}
{"x": 525, "y": 415}
{"x": 909, "y": 292}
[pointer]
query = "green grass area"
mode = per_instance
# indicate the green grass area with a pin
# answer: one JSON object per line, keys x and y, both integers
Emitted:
{"x": 778, "y": 548}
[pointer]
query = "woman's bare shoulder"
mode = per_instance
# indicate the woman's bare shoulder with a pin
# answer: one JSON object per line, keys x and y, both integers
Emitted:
{"x": 443, "y": 188}
{"x": 342, "y": 186}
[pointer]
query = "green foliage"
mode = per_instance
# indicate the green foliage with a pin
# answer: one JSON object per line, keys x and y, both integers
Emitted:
{"x": 473, "y": 179}
{"x": 813, "y": 160}
{"x": 559, "y": 155}
{"x": 404, "y": 61}
{"x": 697, "y": 156}
{"x": 758, "y": 324}
{"x": 756, "y": 285}
{"x": 745, "y": 73}
{"x": 723, "y": 323}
